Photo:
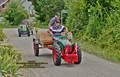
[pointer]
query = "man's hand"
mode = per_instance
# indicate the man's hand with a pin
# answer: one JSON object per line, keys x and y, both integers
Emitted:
{"x": 63, "y": 33}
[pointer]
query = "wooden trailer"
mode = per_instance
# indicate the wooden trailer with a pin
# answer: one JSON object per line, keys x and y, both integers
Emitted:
{"x": 42, "y": 40}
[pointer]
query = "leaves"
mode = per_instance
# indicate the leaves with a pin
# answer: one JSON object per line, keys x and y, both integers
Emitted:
{"x": 45, "y": 9}
{"x": 95, "y": 20}
{"x": 8, "y": 59}
{"x": 2, "y": 35}
{"x": 15, "y": 13}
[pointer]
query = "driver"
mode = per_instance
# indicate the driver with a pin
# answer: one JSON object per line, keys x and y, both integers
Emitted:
{"x": 59, "y": 30}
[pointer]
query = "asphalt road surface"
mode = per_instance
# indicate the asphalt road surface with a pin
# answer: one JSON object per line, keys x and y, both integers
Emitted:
{"x": 91, "y": 65}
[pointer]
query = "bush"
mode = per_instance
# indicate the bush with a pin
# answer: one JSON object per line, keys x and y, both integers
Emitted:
{"x": 2, "y": 35}
{"x": 45, "y": 9}
{"x": 77, "y": 17}
{"x": 98, "y": 20}
{"x": 8, "y": 59}
{"x": 15, "y": 13}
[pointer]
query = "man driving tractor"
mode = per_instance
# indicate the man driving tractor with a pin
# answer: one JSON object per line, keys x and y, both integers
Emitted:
{"x": 57, "y": 31}
{"x": 63, "y": 46}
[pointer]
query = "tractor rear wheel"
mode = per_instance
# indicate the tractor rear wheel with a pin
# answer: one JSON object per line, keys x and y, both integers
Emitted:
{"x": 56, "y": 58}
{"x": 79, "y": 54}
{"x": 57, "y": 55}
{"x": 28, "y": 33}
{"x": 19, "y": 33}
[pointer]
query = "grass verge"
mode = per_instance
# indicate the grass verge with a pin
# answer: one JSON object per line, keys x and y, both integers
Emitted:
{"x": 2, "y": 35}
{"x": 106, "y": 53}
{"x": 7, "y": 25}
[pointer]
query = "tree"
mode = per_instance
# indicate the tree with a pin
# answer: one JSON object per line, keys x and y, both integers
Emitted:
{"x": 95, "y": 20}
{"x": 45, "y": 9}
{"x": 15, "y": 13}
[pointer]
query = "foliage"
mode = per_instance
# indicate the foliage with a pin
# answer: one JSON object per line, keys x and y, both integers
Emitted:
{"x": 8, "y": 59}
{"x": 2, "y": 35}
{"x": 77, "y": 18}
{"x": 45, "y": 9}
{"x": 15, "y": 13}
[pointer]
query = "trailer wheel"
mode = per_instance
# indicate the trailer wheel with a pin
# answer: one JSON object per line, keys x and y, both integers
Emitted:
{"x": 79, "y": 54}
{"x": 35, "y": 48}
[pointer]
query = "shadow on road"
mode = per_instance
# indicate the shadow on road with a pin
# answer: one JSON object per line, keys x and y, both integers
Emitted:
{"x": 67, "y": 65}
{"x": 45, "y": 55}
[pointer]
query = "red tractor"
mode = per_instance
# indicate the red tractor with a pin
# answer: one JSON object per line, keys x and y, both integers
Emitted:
{"x": 70, "y": 53}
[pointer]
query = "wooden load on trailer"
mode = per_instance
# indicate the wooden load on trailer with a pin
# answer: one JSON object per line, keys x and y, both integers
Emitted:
{"x": 44, "y": 38}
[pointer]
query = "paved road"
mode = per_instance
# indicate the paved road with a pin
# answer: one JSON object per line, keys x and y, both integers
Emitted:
{"x": 91, "y": 65}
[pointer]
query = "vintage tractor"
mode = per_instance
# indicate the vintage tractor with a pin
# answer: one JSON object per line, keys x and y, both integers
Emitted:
{"x": 70, "y": 53}
{"x": 23, "y": 30}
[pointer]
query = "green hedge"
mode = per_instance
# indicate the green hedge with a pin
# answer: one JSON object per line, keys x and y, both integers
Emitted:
{"x": 8, "y": 59}
{"x": 15, "y": 13}
{"x": 46, "y": 9}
